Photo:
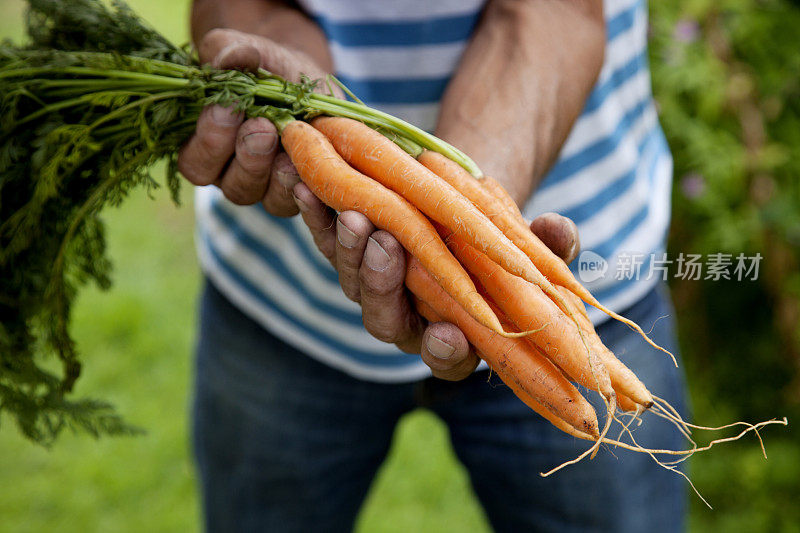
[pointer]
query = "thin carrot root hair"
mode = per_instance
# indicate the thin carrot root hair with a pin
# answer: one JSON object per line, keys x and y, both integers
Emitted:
{"x": 662, "y": 409}
{"x": 669, "y": 412}
{"x": 685, "y": 431}
{"x": 518, "y": 334}
{"x": 625, "y": 427}
{"x": 591, "y": 452}
{"x": 591, "y": 300}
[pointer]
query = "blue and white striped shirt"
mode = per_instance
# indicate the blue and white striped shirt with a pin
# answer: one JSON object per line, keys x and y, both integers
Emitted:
{"x": 612, "y": 177}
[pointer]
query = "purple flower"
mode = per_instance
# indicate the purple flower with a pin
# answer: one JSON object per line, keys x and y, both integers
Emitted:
{"x": 686, "y": 31}
{"x": 693, "y": 185}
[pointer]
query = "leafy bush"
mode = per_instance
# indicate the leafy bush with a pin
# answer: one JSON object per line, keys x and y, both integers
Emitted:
{"x": 727, "y": 79}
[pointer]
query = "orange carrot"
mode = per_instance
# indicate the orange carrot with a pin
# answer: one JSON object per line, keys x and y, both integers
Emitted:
{"x": 378, "y": 157}
{"x": 498, "y": 191}
{"x": 494, "y": 209}
{"x": 624, "y": 381}
{"x": 341, "y": 187}
{"x": 573, "y": 301}
{"x": 624, "y": 402}
{"x": 627, "y": 404}
{"x": 514, "y": 360}
{"x": 463, "y": 182}
{"x": 427, "y": 311}
{"x": 552, "y": 266}
{"x": 529, "y": 308}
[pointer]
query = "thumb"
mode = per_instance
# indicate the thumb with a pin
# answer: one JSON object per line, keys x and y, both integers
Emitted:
{"x": 446, "y": 351}
{"x": 224, "y": 48}
{"x": 558, "y": 233}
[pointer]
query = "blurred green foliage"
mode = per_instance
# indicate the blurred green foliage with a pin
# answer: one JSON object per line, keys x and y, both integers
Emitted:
{"x": 726, "y": 76}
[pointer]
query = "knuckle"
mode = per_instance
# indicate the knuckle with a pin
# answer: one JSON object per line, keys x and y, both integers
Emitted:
{"x": 186, "y": 168}
{"x": 238, "y": 194}
{"x": 190, "y": 169}
{"x": 349, "y": 259}
{"x": 378, "y": 284}
{"x": 351, "y": 290}
{"x": 326, "y": 248}
{"x": 280, "y": 206}
{"x": 384, "y": 330}
{"x": 213, "y": 145}
{"x": 214, "y": 42}
{"x": 257, "y": 167}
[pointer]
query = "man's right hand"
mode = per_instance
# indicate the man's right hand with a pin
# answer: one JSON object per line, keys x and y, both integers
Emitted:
{"x": 243, "y": 157}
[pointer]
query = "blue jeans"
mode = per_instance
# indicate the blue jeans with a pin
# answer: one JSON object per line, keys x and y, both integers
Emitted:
{"x": 285, "y": 443}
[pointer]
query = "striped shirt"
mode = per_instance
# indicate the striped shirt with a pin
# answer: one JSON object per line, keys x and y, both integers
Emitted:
{"x": 612, "y": 177}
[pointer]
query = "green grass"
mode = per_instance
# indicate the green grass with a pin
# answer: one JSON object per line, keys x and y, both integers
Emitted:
{"x": 137, "y": 343}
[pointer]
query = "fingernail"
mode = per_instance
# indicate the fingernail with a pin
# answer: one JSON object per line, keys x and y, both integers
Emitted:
{"x": 284, "y": 171}
{"x": 301, "y": 205}
{"x": 287, "y": 179}
{"x": 375, "y": 256}
{"x": 438, "y": 348}
{"x": 346, "y": 237}
{"x": 223, "y": 54}
{"x": 224, "y": 116}
{"x": 260, "y": 143}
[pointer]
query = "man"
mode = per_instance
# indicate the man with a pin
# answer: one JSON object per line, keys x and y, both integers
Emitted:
{"x": 296, "y": 401}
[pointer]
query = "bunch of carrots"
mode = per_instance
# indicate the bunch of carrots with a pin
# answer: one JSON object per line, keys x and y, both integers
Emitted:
{"x": 473, "y": 261}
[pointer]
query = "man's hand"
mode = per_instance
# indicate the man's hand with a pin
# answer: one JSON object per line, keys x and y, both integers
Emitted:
{"x": 243, "y": 157}
{"x": 372, "y": 266}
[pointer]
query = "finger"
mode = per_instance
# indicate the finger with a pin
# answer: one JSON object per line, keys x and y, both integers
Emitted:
{"x": 238, "y": 55}
{"x": 559, "y": 233}
{"x": 246, "y": 179}
{"x": 224, "y": 48}
{"x": 446, "y": 351}
{"x": 290, "y": 64}
{"x": 208, "y": 151}
{"x": 279, "y": 200}
{"x": 352, "y": 231}
{"x": 264, "y": 53}
{"x": 386, "y": 310}
{"x": 319, "y": 218}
